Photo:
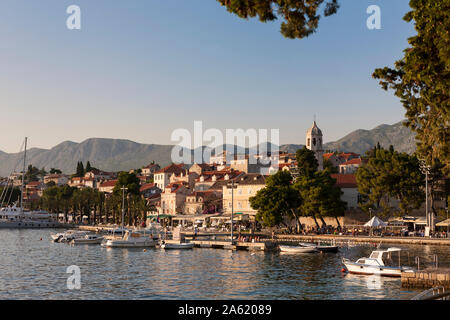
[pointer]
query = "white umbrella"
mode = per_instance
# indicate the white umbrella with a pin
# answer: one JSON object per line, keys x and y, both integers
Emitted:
{"x": 375, "y": 222}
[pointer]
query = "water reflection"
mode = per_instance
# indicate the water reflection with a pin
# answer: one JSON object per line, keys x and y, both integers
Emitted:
{"x": 34, "y": 269}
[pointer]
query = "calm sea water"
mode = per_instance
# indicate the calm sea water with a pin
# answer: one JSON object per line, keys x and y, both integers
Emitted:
{"x": 31, "y": 268}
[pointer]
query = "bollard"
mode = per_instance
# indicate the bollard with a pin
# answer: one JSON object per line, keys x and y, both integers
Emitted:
{"x": 435, "y": 259}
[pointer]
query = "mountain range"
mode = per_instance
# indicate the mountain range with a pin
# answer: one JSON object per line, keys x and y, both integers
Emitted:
{"x": 119, "y": 154}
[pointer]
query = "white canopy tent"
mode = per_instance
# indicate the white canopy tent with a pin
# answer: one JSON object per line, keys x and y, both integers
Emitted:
{"x": 375, "y": 222}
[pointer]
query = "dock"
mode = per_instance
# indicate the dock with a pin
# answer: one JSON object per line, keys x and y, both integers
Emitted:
{"x": 307, "y": 238}
{"x": 366, "y": 239}
{"x": 249, "y": 246}
{"x": 428, "y": 278}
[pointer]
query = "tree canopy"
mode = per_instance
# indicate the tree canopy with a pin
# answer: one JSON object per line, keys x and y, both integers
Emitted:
{"x": 277, "y": 200}
{"x": 307, "y": 162}
{"x": 130, "y": 181}
{"x": 421, "y": 79}
{"x": 388, "y": 175}
{"x": 300, "y": 17}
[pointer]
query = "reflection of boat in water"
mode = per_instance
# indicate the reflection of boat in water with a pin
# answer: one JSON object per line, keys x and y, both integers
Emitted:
{"x": 379, "y": 263}
{"x": 88, "y": 239}
{"x": 298, "y": 249}
{"x": 130, "y": 240}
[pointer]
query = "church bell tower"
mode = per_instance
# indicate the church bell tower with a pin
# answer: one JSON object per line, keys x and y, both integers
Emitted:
{"x": 314, "y": 143}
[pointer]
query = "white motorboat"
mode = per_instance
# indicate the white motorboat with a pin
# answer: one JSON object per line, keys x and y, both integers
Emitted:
{"x": 379, "y": 263}
{"x": 88, "y": 239}
{"x": 130, "y": 240}
{"x": 68, "y": 236}
{"x": 298, "y": 249}
{"x": 180, "y": 245}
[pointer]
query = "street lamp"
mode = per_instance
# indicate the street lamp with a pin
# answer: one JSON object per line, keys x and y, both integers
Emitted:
{"x": 425, "y": 169}
{"x": 233, "y": 186}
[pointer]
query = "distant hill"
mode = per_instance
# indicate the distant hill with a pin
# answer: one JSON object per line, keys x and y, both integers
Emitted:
{"x": 119, "y": 154}
{"x": 359, "y": 141}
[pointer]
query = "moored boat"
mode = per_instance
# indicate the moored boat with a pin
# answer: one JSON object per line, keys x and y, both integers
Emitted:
{"x": 130, "y": 240}
{"x": 180, "y": 245}
{"x": 321, "y": 248}
{"x": 298, "y": 249}
{"x": 379, "y": 263}
{"x": 88, "y": 239}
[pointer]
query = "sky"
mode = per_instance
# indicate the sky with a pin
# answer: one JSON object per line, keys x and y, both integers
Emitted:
{"x": 139, "y": 69}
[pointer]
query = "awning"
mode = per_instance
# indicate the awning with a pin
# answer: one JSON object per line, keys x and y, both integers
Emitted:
{"x": 422, "y": 221}
{"x": 445, "y": 223}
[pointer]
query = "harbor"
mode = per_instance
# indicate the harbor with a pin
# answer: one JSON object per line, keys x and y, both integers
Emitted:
{"x": 203, "y": 273}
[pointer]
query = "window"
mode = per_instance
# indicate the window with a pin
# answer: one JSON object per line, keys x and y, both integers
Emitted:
{"x": 314, "y": 141}
{"x": 309, "y": 142}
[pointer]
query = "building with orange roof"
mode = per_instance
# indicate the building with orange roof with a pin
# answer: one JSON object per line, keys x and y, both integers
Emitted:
{"x": 197, "y": 201}
{"x": 107, "y": 186}
{"x": 173, "y": 198}
{"x": 148, "y": 190}
{"x": 350, "y": 166}
{"x": 162, "y": 176}
{"x": 209, "y": 178}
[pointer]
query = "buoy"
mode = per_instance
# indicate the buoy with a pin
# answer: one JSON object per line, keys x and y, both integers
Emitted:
{"x": 343, "y": 270}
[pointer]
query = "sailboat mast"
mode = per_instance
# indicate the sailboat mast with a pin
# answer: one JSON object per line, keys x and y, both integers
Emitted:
{"x": 23, "y": 175}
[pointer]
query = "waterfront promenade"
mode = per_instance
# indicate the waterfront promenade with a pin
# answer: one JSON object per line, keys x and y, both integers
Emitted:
{"x": 265, "y": 236}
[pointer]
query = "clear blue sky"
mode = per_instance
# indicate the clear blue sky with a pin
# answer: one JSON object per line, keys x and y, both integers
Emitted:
{"x": 139, "y": 69}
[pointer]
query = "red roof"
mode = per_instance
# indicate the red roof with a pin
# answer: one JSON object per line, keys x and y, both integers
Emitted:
{"x": 109, "y": 183}
{"x": 327, "y": 155}
{"x": 352, "y": 161}
{"x": 175, "y": 186}
{"x": 345, "y": 180}
{"x": 173, "y": 168}
{"x": 348, "y": 155}
{"x": 146, "y": 186}
{"x": 34, "y": 183}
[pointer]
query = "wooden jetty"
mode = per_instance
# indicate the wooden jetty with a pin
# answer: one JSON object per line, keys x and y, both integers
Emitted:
{"x": 250, "y": 246}
{"x": 428, "y": 278}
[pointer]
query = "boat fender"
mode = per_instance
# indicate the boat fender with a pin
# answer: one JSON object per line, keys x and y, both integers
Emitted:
{"x": 343, "y": 270}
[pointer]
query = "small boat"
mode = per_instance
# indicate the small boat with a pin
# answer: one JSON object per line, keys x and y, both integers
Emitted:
{"x": 130, "y": 240}
{"x": 332, "y": 249}
{"x": 56, "y": 236}
{"x": 321, "y": 248}
{"x": 298, "y": 249}
{"x": 379, "y": 263}
{"x": 181, "y": 245}
{"x": 88, "y": 239}
{"x": 68, "y": 236}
